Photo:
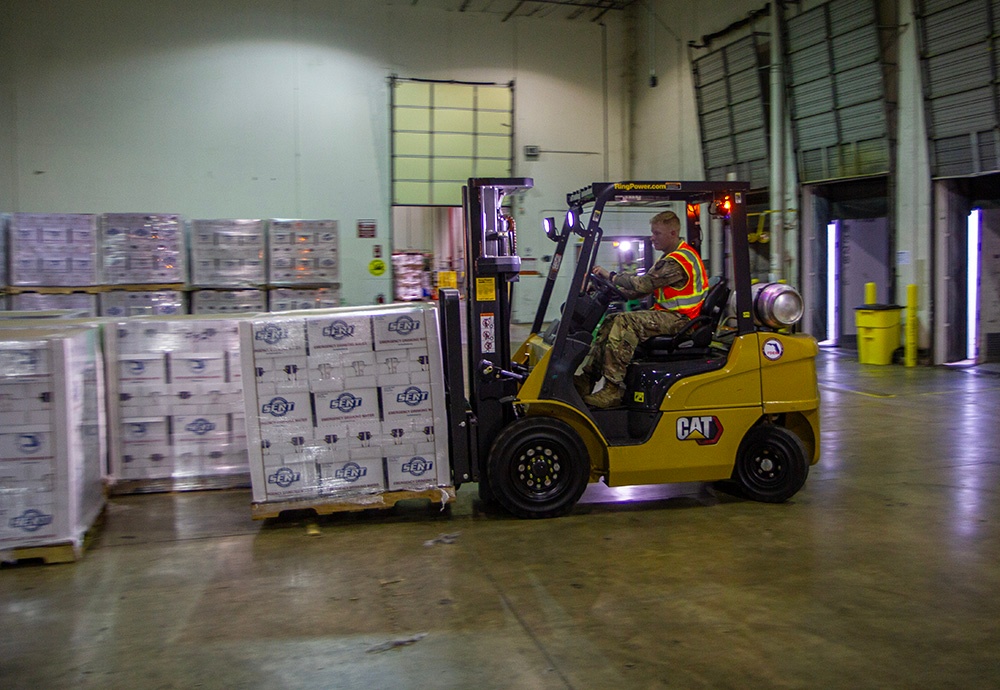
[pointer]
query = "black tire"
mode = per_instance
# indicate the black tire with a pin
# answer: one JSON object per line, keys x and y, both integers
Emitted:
{"x": 538, "y": 467}
{"x": 771, "y": 465}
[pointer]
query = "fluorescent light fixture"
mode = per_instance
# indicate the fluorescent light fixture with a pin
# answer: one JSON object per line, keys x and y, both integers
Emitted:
{"x": 624, "y": 246}
{"x": 972, "y": 294}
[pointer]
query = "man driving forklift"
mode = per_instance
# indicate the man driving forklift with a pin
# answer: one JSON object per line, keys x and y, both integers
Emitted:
{"x": 678, "y": 283}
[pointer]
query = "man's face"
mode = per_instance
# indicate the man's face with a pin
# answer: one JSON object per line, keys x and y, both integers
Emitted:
{"x": 665, "y": 238}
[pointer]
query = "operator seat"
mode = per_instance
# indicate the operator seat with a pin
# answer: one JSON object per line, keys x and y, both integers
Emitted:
{"x": 695, "y": 338}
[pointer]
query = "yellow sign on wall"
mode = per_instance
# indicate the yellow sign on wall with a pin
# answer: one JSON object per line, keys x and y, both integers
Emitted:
{"x": 448, "y": 279}
{"x": 376, "y": 267}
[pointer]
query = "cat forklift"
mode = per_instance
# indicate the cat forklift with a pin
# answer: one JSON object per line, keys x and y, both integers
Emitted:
{"x": 732, "y": 398}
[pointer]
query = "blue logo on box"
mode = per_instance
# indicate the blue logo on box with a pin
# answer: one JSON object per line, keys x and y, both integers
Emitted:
{"x": 197, "y": 365}
{"x": 412, "y": 396}
{"x": 278, "y": 407}
{"x": 284, "y": 477}
{"x": 345, "y": 402}
{"x": 200, "y": 426}
{"x": 136, "y": 366}
{"x": 271, "y": 333}
{"x": 31, "y": 520}
{"x": 417, "y": 466}
{"x": 29, "y": 444}
{"x": 351, "y": 472}
{"x": 404, "y": 325}
{"x": 338, "y": 330}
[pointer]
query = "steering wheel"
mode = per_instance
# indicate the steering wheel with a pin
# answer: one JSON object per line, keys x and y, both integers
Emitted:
{"x": 606, "y": 285}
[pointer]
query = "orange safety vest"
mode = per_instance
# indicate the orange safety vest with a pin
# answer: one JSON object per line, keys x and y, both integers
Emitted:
{"x": 687, "y": 299}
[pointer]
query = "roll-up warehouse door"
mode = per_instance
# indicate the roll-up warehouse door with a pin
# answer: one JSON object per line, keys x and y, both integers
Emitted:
{"x": 837, "y": 92}
{"x": 958, "y": 49}
{"x": 729, "y": 86}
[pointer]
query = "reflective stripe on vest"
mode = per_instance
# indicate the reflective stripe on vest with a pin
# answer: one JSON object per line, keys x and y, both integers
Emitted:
{"x": 687, "y": 299}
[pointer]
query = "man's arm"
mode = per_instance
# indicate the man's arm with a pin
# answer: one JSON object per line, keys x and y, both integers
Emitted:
{"x": 665, "y": 272}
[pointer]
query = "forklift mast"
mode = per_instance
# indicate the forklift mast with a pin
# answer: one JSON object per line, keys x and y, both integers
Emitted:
{"x": 492, "y": 267}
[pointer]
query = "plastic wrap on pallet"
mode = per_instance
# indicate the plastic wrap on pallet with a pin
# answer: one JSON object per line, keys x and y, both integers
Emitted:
{"x": 54, "y": 249}
{"x": 228, "y": 301}
{"x": 228, "y": 253}
{"x": 342, "y": 405}
{"x": 303, "y": 252}
{"x": 177, "y": 419}
{"x": 80, "y": 302}
{"x": 143, "y": 248}
{"x": 142, "y": 303}
{"x": 51, "y": 436}
{"x": 294, "y": 299}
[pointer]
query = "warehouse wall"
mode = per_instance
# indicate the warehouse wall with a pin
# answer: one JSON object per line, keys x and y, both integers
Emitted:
{"x": 665, "y": 135}
{"x": 280, "y": 108}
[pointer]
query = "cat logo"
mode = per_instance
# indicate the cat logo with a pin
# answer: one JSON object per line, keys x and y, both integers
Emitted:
{"x": 338, "y": 330}
{"x": 404, "y": 325}
{"x": 706, "y": 431}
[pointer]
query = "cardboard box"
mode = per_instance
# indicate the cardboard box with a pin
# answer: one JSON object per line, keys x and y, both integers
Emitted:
{"x": 395, "y": 331}
{"x": 414, "y": 400}
{"x": 197, "y": 368}
{"x": 138, "y": 369}
{"x": 339, "y": 408}
{"x": 27, "y": 444}
{"x": 292, "y": 480}
{"x": 339, "y": 332}
{"x": 360, "y": 473}
{"x": 412, "y": 472}
{"x": 289, "y": 411}
{"x": 279, "y": 337}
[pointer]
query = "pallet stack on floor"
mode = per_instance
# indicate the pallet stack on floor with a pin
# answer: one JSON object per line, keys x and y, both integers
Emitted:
{"x": 342, "y": 408}
{"x": 51, "y": 441}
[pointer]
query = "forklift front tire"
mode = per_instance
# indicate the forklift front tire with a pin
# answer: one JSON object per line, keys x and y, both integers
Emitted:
{"x": 538, "y": 467}
{"x": 771, "y": 465}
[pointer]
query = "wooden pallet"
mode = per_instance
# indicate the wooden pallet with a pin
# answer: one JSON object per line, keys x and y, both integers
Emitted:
{"x": 388, "y": 499}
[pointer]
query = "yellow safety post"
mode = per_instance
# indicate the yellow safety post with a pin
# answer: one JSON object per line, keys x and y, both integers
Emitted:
{"x": 871, "y": 293}
{"x": 910, "y": 346}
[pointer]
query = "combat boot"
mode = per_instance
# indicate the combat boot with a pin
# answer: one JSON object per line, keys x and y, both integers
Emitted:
{"x": 609, "y": 396}
{"x": 582, "y": 384}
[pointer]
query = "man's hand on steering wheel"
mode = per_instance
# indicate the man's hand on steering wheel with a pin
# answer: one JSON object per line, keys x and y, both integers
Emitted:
{"x": 602, "y": 279}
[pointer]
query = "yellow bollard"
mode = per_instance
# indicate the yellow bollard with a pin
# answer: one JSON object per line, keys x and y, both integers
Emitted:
{"x": 910, "y": 345}
{"x": 871, "y": 293}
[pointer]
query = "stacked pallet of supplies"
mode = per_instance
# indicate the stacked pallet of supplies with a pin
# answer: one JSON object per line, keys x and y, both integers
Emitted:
{"x": 143, "y": 249}
{"x": 176, "y": 408}
{"x": 228, "y": 265}
{"x": 342, "y": 405}
{"x": 51, "y": 438}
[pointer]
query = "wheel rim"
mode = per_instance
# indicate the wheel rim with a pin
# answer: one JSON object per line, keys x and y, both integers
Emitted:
{"x": 538, "y": 471}
{"x": 767, "y": 466}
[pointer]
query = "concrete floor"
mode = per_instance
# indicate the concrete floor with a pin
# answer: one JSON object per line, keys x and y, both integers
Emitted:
{"x": 883, "y": 572}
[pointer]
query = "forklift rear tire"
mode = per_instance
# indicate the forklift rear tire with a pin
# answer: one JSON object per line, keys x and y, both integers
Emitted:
{"x": 538, "y": 467}
{"x": 771, "y": 465}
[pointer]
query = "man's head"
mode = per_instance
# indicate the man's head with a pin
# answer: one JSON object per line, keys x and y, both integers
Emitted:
{"x": 665, "y": 229}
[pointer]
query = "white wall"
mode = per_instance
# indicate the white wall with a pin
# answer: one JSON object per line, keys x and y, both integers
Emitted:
{"x": 279, "y": 108}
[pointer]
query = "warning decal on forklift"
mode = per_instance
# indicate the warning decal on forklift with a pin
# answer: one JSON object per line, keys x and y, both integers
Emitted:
{"x": 486, "y": 289}
{"x": 488, "y": 333}
{"x": 705, "y": 430}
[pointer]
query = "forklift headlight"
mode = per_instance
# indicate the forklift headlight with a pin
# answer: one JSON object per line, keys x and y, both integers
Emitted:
{"x": 777, "y": 305}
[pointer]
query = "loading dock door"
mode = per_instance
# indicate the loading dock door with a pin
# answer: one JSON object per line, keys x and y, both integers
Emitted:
{"x": 864, "y": 258}
{"x": 989, "y": 292}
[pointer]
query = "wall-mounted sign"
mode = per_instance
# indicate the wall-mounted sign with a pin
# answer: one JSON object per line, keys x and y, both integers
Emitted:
{"x": 367, "y": 229}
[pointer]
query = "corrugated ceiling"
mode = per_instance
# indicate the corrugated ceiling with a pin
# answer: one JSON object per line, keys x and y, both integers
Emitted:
{"x": 591, "y": 10}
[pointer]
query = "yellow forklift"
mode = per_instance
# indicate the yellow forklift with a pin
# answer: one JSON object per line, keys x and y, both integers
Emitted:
{"x": 732, "y": 398}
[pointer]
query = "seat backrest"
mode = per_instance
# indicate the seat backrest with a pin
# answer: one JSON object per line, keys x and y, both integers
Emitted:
{"x": 715, "y": 303}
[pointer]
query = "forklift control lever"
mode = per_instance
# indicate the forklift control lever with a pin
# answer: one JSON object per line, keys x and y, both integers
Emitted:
{"x": 489, "y": 370}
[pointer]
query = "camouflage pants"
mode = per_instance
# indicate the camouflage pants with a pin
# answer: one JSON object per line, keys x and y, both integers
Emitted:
{"x": 618, "y": 337}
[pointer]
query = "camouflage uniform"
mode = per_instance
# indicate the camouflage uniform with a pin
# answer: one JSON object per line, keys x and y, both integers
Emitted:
{"x": 620, "y": 334}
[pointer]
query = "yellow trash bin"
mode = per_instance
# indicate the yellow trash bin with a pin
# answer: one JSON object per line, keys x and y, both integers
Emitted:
{"x": 879, "y": 332}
